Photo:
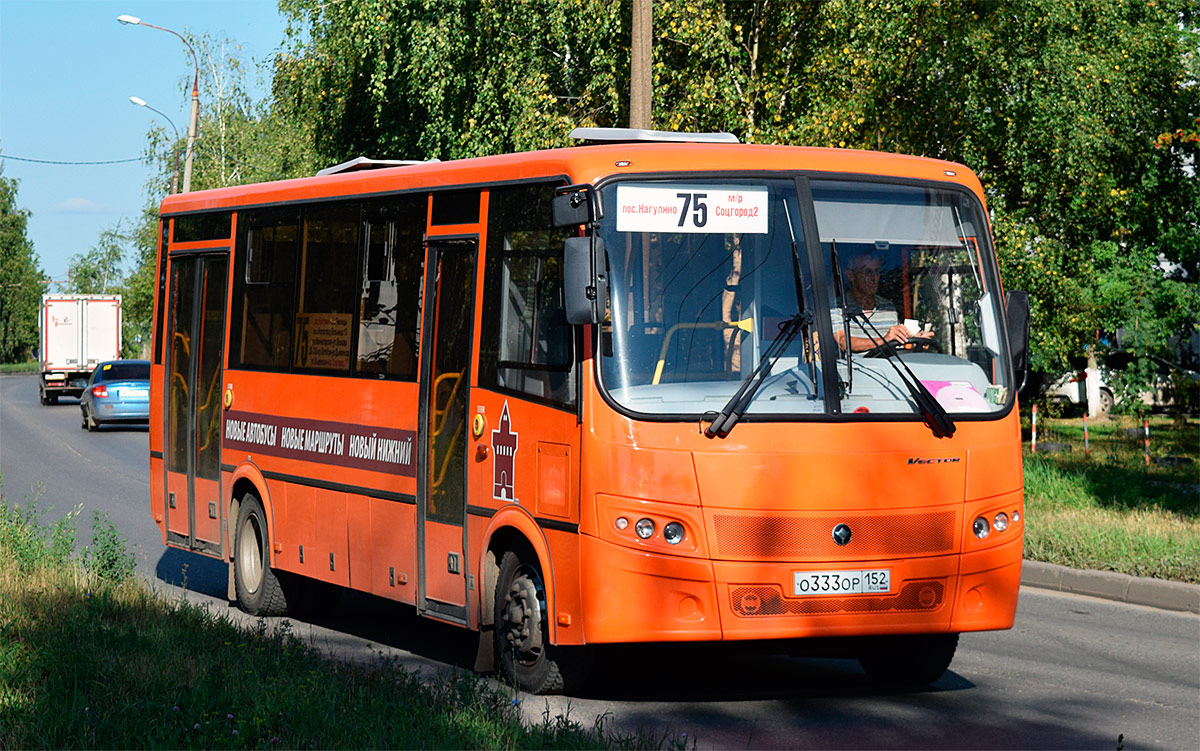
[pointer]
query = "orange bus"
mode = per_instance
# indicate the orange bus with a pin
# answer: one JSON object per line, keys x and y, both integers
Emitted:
{"x": 654, "y": 387}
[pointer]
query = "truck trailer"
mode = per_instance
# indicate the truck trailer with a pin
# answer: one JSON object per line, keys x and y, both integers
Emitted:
{"x": 77, "y": 332}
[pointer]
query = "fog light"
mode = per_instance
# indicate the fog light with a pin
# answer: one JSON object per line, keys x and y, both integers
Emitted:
{"x": 673, "y": 533}
{"x": 622, "y": 523}
{"x": 1016, "y": 516}
{"x": 981, "y": 528}
{"x": 644, "y": 529}
{"x": 1000, "y": 522}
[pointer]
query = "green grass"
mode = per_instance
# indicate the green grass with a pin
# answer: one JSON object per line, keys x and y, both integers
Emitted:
{"x": 1107, "y": 509}
{"x": 89, "y": 658}
{"x": 18, "y": 367}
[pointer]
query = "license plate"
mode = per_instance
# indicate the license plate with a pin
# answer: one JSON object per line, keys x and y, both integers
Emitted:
{"x": 136, "y": 394}
{"x": 807, "y": 583}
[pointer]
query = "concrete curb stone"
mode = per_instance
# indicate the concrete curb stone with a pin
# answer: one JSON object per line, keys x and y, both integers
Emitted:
{"x": 1135, "y": 590}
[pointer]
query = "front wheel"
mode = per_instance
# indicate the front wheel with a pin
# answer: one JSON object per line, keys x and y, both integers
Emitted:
{"x": 258, "y": 589}
{"x": 522, "y": 638}
{"x": 908, "y": 661}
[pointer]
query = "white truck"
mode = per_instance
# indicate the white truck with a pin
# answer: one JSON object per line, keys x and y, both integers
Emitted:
{"x": 77, "y": 332}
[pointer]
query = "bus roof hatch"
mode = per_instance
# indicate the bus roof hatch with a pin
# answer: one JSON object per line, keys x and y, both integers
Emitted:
{"x": 640, "y": 135}
{"x": 362, "y": 163}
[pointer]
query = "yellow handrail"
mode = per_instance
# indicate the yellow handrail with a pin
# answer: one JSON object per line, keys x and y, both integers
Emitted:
{"x": 746, "y": 324}
{"x": 441, "y": 412}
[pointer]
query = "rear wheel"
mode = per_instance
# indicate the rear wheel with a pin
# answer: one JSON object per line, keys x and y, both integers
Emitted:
{"x": 258, "y": 588}
{"x": 1106, "y": 402}
{"x": 527, "y": 658}
{"x": 908, "y": 661}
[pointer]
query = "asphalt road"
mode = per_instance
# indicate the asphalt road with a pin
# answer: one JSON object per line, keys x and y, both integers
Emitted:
{"x": 1073, "y": 673}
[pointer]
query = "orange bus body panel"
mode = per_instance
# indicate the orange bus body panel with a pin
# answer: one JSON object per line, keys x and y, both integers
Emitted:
{"x": 758, "y": 505}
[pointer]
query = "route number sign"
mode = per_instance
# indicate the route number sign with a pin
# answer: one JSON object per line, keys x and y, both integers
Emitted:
{"x": 692, "y": 208}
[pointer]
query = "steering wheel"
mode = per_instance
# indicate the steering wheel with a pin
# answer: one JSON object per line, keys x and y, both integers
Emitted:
{"x": 916, "y": 344}
{"x": 920, "y": 344}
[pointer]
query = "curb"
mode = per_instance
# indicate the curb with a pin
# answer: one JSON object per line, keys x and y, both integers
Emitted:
{"x": 1109, "y": 585}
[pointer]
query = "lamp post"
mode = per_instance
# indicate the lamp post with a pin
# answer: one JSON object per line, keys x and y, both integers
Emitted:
{"x": 194, "y": 121}
{"x": 174, "y": 151}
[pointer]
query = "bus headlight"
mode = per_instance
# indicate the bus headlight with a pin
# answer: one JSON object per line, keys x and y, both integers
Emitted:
{"x": 622, "y": 523}
{"x": 644, "y": 528}
{"x": 673, "y": 533}
{"x": 981, "y": 528}
{"x": 1000, "y": 522}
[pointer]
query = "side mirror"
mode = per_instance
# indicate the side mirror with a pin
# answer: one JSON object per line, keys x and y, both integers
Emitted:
{"x": 1016, "y": 313}
{"x": 571, "y": 206}
{"x": 584, "y": 287}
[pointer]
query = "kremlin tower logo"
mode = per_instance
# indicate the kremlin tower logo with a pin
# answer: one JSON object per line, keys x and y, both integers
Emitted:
{"x": 504, "y": 451}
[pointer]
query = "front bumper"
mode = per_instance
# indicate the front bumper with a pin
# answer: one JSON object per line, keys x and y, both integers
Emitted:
{"x": 635, "y": 596}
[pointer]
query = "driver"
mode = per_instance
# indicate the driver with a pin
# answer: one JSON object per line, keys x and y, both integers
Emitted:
{"x": 863, "y": 275}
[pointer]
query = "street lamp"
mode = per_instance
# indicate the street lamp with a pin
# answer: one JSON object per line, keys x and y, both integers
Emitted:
{"x": 194, "y": 121}
{"x": 174, "y": 174}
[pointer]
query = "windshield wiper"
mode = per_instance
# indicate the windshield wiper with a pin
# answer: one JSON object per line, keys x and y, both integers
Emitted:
{"x": 847, "y": 386}
{"x": 729, "y": 415}
{"x": 932, "y": 411}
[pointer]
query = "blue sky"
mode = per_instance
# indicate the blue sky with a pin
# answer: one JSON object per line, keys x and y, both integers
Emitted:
{"x": 67, "y": 70}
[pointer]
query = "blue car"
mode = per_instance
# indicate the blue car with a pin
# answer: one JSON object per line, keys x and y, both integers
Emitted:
{"x": 117, "y": 392}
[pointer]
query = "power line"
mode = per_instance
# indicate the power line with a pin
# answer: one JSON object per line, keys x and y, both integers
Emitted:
{"x": 50, "y": 161}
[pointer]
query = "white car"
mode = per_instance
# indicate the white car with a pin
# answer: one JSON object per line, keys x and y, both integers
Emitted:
{"x": 1072, "y": 387}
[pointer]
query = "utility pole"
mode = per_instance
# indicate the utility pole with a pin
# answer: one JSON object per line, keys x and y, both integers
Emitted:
{"x": 641, "y": 75}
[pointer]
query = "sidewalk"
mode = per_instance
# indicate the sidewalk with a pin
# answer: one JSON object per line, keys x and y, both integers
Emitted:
{"x": 1135, "y": 590}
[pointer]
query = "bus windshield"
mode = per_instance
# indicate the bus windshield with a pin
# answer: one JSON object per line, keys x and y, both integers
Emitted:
{"x": 706, "y": 275}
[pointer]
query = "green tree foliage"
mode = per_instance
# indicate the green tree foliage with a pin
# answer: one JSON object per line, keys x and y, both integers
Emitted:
{"x": 99, "y": 271}
{"x": 430, "y": 79}
{"x": 21, "y": 277}
{"x": 1080, "y": 117}
{"x": 240, "y": 140}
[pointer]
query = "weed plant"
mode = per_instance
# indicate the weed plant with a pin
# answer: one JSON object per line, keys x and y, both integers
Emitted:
{"x": 90, "y": 658}
{"x": 1108, "y": 509}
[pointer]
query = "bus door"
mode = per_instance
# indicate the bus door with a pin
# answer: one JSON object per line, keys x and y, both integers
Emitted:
{"x": 193, "y": 394}
{"x": 442, "y": 470}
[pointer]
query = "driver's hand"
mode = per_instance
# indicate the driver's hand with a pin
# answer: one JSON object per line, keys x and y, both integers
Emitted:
{"x": 898, "y": 333}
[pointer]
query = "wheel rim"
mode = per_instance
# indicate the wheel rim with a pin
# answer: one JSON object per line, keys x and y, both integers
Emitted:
{"x": 524, "y": 613}
{"x": 250, "y": 553}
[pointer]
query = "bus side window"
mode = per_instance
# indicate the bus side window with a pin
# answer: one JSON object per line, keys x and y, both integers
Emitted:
{"x": 261, "y": 332}
{"x": 328, "y": 287}
{"x": 527, "y": 344}
{"x": 390, "y": 302}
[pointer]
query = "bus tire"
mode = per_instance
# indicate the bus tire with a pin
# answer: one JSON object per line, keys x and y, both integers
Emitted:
{"x": 258, "y": 589}
{"x": 908, "y": 661}
{"x": 523, "y": 650}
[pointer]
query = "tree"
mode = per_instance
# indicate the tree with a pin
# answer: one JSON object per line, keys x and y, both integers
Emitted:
{"x": 424, "y": 79}
{"x": 21, "y": 284}
{"x": 99, "y": 270}
{"x": 1080, "y": 117}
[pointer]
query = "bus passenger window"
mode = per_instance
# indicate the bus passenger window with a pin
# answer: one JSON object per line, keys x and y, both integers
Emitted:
{"x": 327, "y": 289}
{"x": 390, "y": 303}
{"x": 261, "y": 330}
{"x": 526, "y": 345}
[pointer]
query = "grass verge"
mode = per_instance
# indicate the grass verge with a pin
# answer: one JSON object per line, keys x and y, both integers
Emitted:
{"x": 1107, "y": 508}
{"x": 89, "y": 658}
{"x": 18, "y": 367}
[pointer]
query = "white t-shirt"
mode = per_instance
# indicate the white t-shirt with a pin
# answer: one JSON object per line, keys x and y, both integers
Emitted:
{"x": 882, "y": 318}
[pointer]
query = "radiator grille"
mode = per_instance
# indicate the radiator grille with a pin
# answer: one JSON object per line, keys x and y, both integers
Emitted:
{"x": 768, "y": 599}
{"x": 805, "y": 537}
